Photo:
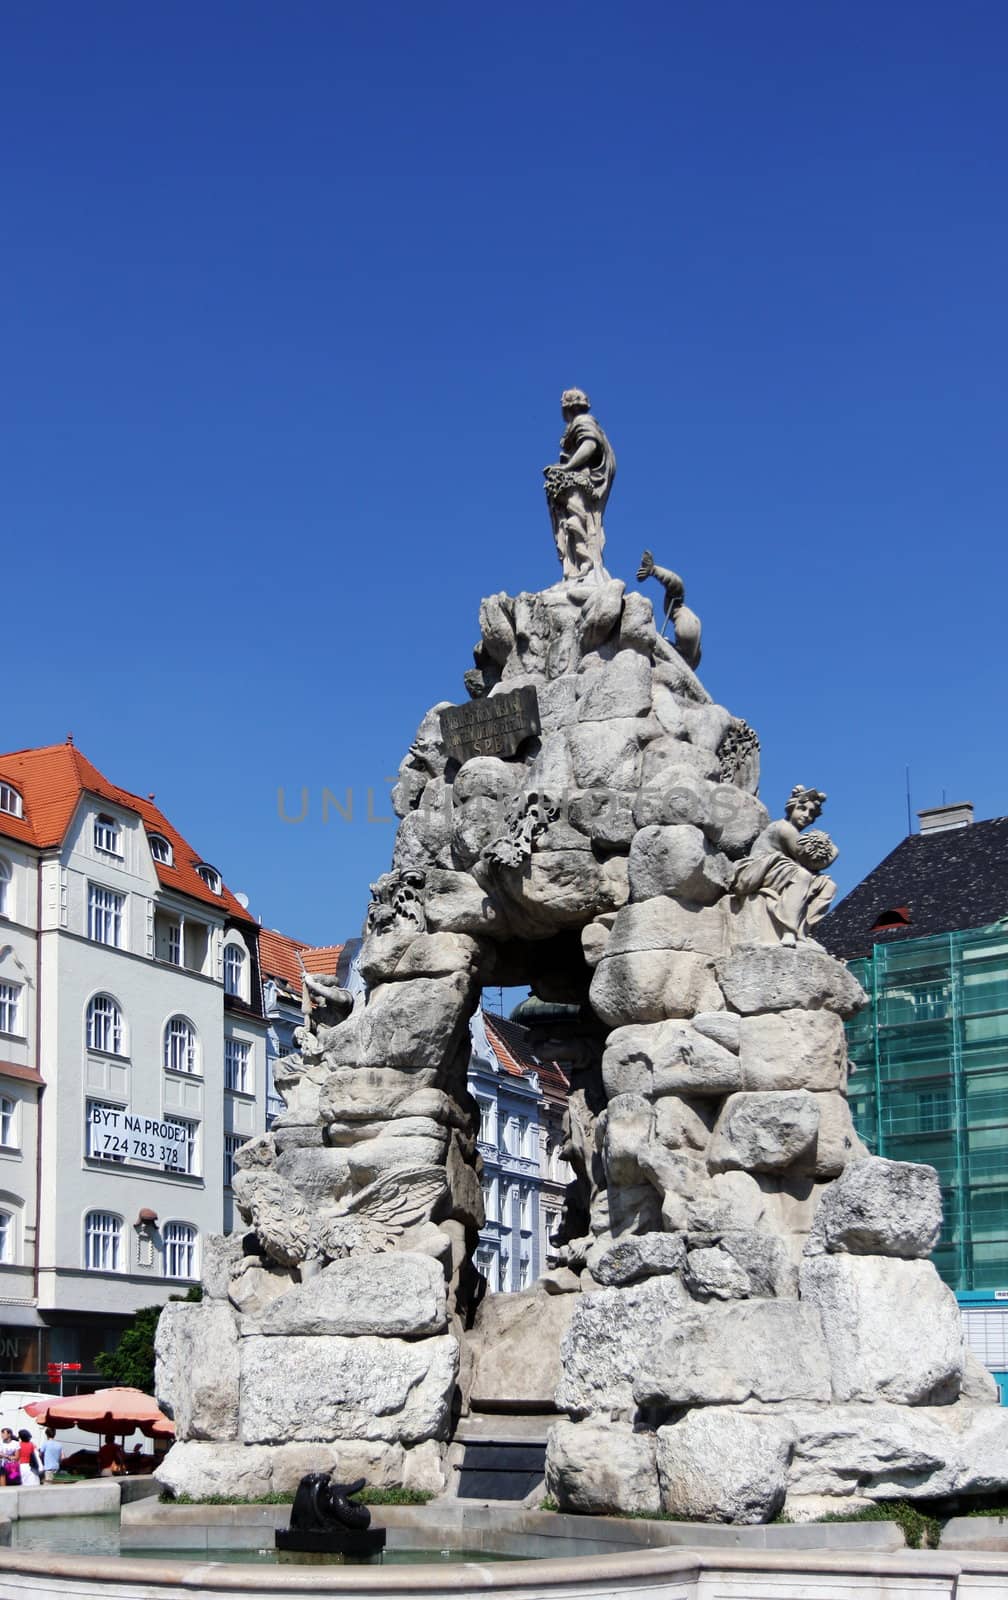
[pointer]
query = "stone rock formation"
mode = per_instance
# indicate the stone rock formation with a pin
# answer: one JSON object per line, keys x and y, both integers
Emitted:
{"x": 743, "y": 1305}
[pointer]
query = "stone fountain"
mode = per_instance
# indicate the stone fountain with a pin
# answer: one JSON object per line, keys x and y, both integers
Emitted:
{"x": 742, "y": 1308}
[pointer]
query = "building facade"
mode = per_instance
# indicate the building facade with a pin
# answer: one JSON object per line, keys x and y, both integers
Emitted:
{"x": 926, "y": 934}
{"x": 284, "y": 962}
{"x": 132, "y": 1058}
{"x": 521, "y": 1100}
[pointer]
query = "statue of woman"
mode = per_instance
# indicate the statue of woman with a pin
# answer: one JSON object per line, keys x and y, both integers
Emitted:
{"x": 785, "y": 868}
{"x": 577, "y": 488}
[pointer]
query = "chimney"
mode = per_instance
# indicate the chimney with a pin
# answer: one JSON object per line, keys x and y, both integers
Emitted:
{"x": 941, "y": 819}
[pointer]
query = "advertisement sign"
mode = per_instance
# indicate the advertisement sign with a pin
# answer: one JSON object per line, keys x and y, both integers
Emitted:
{"x": 122, "y": 1136}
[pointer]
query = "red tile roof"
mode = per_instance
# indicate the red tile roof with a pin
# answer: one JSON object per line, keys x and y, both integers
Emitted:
{"x": 509, "y": 1042}
{"x": 51, "y": 781}
{"x": 279, "y": 957}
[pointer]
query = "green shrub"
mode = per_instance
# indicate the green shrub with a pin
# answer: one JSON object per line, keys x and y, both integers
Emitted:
{"x": 920, "y": 1530}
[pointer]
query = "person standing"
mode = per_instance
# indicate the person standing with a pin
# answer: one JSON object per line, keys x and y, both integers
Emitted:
{"x": 28, "y": 1460}
{"x": 52, "y": 1456}
{"x": 9, "y": 1471}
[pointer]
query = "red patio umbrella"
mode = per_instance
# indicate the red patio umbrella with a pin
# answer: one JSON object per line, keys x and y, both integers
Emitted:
{"x": 106, "y": 1411}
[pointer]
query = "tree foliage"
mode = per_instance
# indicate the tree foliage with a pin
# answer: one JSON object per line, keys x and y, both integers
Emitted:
{"x": 131, "y": 1363}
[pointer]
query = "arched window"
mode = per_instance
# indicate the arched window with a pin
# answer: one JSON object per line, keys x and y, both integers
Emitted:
{"x": 104, "y": 1025}
{"x": 103, "y": 1242}
{"x": 160, "y": 849}
{"x": 234, "y": 969}
{"x": 7, "y": 1226}
{"x": 10, "y": 800}
{"x": 180, "y": 1250}
{"x": 211, "y": 877}
{"x": 8, "y": 1123}
{"x": 107, "y": 835}
{"x": 6, "y": 910}
{"x": 181, "y": 1047}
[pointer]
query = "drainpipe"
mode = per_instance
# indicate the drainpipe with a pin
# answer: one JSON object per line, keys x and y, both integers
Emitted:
{"x": 41, "y": 1087}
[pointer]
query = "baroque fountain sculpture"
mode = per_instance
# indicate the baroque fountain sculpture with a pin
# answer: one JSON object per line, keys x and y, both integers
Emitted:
{"x": 742, "y": 1310}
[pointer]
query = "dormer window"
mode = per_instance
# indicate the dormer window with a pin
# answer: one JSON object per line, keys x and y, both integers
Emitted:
{"x": 210, "y": 876}
{"x": 160, "y": 849}
{"x": 894, "y": 917}
{"x": 107, "y": 836}
{"x": 10, "y": 800}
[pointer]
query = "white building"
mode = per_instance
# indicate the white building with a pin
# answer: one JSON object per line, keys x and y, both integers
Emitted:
{"x": 132, "y": 1057}
{"x": 521, "y": 1098}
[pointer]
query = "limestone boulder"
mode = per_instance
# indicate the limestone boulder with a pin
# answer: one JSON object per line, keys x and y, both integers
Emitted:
{"x": 718, "y": 1207}
{"x": 764, "y": 1132}
{"x": 712, "y": 1274}
{"x": 765, "y": 1260}
{"x": 892, "y": 1328}
{"x": 318, "y": 1173}
{"x": 405, "y": 1142}
{"x": 257, "y": 1286}
{"x": 241, "y": 1471}
{"x": 620, "y": 688}
{"x": 562, "y": 889}
{"x": 723, "y": 1027}
{"x": 457, "y": 903}
{"x": 720, "y": 1465}
{"x": 605, "y": 816}
{"x": 606, "y": 755}
{"x": 793, "y": 1050}
{"x": 415, "y": 1022}
{"x": 677, "y": 861}
{"x": 837, "y": 1142}
{"x": 769, "y": 977}
{"x": 683, "y": 1123}
{"x": 200, "y": 1468}
{"x": 651, "y": 985}
{"x": 515, "y": 1343}
{"x": 658, "y": 962}
{"x": 222, "y": 1253}
{"x": 628, "y": 1124}
{"x": 328, "y": 1387}
{"x": 643, "y": 1255}
{"x": 397, "y": 1294}
{"x": 880, "y": 1451}
{"x": 671, "y": 670}
{"x": 727, "y": 1353}
{"x": 601, "y": 1469}
{"x": 669, "y": 1057}
{"x": 670, "y": 760}
{"x": 196, "y": 1369}
{"x": 729, "y": 818}
{"x": 663, "y": 923}
{"x": 880, "y": 1208}
{"x": 610, "y": 1335}
{"x": 983, "y": 1453}
{"x": 437, "y": 955}
{"x": 423, "y": 838}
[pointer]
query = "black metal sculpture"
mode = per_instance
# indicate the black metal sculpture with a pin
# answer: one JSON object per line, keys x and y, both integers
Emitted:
{"x": 325, "y": 1519}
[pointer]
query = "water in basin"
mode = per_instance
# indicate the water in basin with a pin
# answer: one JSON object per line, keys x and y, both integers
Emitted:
{"x": 99, "y": 1536}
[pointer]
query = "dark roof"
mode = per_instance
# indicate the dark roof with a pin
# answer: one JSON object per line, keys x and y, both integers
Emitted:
{"x": 943, "y": 882}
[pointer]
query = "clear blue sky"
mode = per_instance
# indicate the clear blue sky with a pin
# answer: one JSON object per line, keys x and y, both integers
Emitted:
{"x": 290, "y": 293}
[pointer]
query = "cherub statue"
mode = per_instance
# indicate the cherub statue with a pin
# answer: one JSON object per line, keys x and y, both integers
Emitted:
{"x": 577, "y": 488}
{"x": 685, "y": 622}
{"x": 785, "y": 867}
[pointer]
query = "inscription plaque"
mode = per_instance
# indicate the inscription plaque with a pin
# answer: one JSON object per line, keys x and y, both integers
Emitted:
{"x": 496, "y": 726}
